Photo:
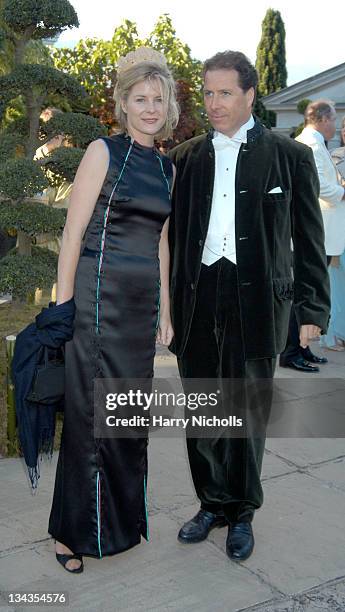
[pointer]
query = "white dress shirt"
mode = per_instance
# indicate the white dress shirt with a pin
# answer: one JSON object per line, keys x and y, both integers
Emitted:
{"x": 220, "y": 239}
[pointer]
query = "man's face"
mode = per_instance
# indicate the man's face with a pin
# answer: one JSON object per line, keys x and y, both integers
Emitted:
{"x": 228, "y": 107}
{"x": 328, "y": 125}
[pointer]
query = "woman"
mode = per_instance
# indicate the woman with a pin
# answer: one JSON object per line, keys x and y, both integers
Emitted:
{"x": 121, "y": 202}
{"x": 334, "y": 340}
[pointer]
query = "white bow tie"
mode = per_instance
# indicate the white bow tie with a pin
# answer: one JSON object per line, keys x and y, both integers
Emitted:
{"x": 221, "y": 141}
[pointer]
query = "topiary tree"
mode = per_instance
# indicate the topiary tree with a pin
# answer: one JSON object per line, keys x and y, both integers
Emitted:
{"x": 301, "y": 106}
{"x": 29, "y": 86}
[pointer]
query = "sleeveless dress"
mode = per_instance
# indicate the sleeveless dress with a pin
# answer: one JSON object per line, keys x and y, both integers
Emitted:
{"x": 99, "y": 504}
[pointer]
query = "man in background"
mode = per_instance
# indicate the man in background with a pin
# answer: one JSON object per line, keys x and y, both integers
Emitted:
{"x": 320, "y": 127}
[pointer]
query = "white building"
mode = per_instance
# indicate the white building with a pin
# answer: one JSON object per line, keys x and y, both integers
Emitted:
{"x": 329, "y": 84}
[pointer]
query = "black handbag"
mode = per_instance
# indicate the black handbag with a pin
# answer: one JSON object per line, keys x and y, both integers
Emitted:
{"x": 48, "y": 384}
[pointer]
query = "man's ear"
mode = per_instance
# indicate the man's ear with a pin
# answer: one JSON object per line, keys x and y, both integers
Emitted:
{"x": 250, "y": 96}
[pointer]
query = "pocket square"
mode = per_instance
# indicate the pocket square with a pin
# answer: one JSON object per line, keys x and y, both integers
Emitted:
{"x": 275, "y": 190}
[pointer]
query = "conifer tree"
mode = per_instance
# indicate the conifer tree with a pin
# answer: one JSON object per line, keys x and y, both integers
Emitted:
{"x": 271, "y": 61}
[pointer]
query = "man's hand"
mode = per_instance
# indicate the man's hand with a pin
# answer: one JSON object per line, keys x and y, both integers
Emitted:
{"x": 308, "y": 332}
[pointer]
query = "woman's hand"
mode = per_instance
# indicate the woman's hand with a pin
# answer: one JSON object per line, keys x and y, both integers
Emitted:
{"x": 165, "y": 332}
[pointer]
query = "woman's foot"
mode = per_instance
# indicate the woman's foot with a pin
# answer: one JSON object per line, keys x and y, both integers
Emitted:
{"x": 71, "y": 562}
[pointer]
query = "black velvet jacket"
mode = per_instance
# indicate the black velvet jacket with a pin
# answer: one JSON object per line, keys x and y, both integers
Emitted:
{"x": 265, "y": 224}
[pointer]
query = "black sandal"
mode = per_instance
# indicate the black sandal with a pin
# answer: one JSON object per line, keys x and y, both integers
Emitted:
{"x": 63, "y": 560}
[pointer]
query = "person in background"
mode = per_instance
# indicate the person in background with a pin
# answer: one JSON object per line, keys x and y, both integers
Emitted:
{"x": 57, "y": 197}
{"x": 335, "y": 337}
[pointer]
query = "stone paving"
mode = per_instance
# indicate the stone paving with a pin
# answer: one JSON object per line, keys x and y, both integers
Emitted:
{"x": 298, "y": 564}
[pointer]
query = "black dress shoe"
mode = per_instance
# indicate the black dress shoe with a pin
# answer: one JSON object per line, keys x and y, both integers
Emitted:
{"x": 198, "y": 528}
{"x": 299, "y": 363}
{"x": 240, "y": 541}
{"x": 309, "y": 356}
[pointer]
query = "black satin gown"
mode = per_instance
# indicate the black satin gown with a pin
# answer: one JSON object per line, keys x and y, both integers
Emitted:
{"x": 99, "y": 505}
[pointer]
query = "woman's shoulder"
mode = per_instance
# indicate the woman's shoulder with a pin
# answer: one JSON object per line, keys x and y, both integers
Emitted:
{"x": 115, "y": 141}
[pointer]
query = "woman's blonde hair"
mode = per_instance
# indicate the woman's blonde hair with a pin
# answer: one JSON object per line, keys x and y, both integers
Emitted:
{"x": 147, "y": 71}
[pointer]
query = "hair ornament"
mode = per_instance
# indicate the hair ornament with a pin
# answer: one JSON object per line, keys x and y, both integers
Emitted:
{"x": 142, "y": 54}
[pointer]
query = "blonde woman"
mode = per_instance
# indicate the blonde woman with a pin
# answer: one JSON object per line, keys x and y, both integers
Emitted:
{"x": 118, "y": 276}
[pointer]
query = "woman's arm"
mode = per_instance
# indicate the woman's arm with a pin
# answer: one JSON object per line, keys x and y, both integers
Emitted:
{"x": 165, "y": 331}
{"x": 86, "y": 187}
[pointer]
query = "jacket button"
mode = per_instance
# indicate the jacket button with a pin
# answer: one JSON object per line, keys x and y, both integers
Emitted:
{"x": 200, "y": 242}
{"x": 192, "y": 286}
{"x": 245, "y": 283}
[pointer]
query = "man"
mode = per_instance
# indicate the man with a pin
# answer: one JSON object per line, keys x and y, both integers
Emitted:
{"x": 238, "y": 191}
{"x": 320, "y": 127}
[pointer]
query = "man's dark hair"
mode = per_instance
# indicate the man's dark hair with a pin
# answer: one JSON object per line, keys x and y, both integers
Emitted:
{"x": 234, "y": 60}
{"x": 316, "y": 110}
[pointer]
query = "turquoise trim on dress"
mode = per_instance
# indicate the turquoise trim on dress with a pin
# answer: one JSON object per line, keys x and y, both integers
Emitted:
{"x": 98, "y": 501}
{"x": 105, "y": 220}
{"x": 146, "y": 512}
{"x": 158, "y": 304}
{"x": 166, "y": 180}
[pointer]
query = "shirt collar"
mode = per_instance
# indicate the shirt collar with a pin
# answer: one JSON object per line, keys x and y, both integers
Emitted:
{"x": 220, "y": 140}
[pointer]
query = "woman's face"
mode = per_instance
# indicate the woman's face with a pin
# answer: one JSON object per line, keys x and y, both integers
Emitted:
{"x": 146, "y": 110}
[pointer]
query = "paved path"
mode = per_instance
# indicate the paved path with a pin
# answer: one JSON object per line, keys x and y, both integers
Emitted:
{"x": 299, "y": 560}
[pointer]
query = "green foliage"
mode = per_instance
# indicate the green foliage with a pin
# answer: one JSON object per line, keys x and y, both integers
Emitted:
{"x": 39, "y": 80}
{"x": 302, "y": 105}
{"x": 28, "y": 83}
{"x": 44, "y": 18}
{"x": 78, "y": 129}
{"x": 93, "y": 62}
{"x": 21, "y": 178}
{"x": 36, "y": 52}
{"x": 32, "y": 218}
{"x": 62, "y": 164}
{"x": 20, "y": 275}
{"x": 15, "y": 120}
{"x": 11, "y": 144}
{"x": 271, "y": 60}
{"x": 178, "y": 54}
{"x": 6, "y": 45}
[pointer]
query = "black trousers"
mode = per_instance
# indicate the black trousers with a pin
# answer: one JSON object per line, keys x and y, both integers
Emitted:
{"x": 226, "y": 471}
{"x": 293, "y": 348}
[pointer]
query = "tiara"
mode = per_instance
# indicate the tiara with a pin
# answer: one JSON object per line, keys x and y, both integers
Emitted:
{"x": 142, "y": 54}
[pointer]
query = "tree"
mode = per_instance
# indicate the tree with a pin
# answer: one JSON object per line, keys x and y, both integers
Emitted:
{"x": 187, "y": 74}
{"x": 301, "y": 106}
{"x": 27, "y": 23}
{"x": 93, "y": 62}
{"x": 271, "y": 60}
